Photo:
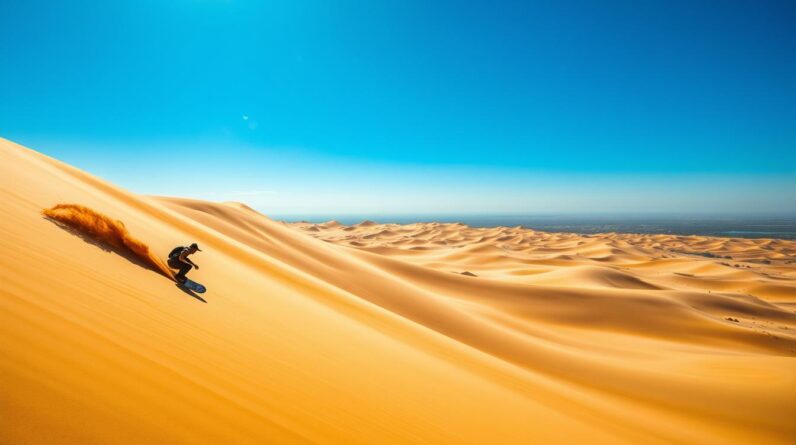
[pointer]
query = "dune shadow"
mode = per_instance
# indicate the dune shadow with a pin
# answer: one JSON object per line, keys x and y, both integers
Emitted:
{"x": 121, "y": 251}
{"x": 190, "y": 292}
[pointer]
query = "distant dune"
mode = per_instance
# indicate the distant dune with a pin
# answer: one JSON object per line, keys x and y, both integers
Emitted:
{"x": 378, "y": 334}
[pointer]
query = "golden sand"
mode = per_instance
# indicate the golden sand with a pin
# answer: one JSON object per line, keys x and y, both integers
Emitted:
{"x": 380, "y": 334}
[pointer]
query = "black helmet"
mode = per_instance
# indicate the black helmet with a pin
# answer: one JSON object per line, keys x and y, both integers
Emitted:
{"x": 195, "y": 246}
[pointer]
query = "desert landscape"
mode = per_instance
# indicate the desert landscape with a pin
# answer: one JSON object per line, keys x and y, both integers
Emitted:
{"x": 377, "y": 333}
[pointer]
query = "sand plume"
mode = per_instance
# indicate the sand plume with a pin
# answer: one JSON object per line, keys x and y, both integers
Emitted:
{"x": 106, "y": 230}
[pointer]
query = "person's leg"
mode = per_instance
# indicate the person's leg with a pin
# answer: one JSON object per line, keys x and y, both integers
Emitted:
{"x": 183, "y": 267}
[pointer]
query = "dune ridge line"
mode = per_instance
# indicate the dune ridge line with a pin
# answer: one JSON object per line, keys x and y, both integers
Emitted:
{"x": 107, "y": 230}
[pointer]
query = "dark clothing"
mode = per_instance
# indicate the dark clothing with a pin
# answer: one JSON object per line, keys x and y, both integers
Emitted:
{"x": 175, "y": 263}
{"x": 177, "y": 251}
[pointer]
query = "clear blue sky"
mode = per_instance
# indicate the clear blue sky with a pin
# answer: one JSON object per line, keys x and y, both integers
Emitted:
{"x": 414, "y": 106}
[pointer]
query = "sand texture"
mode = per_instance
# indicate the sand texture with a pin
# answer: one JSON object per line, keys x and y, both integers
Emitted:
{"x": 376, "y": 334}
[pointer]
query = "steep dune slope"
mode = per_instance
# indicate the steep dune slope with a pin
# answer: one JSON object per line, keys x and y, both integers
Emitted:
{"x": 303, "y": 341}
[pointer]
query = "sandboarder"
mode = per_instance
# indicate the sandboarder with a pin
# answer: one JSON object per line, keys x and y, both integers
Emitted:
{"x": 178, "y": 259}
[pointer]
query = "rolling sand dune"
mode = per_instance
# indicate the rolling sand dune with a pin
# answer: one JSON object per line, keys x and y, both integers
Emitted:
{"x": 422, "y": 333}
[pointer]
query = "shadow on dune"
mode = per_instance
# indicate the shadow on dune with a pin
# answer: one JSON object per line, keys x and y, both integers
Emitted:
{"x": 191, "y": 293}
{"x": 102, "y": 231}
{"x": 122, "y": 252}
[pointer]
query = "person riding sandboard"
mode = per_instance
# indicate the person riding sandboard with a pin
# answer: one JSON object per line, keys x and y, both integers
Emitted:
{"x": 178, "y": 259}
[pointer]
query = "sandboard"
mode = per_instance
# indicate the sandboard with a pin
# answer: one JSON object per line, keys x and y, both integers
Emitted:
{"x": 194, "y": 286}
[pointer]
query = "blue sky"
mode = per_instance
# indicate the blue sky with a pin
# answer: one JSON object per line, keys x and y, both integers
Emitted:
{"x": 401, "y": 107}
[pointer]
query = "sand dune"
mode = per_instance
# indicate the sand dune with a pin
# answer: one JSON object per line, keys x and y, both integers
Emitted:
{"x": 325, "y": 333}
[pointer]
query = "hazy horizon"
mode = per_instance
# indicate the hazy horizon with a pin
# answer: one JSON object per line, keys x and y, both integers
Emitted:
{"x": 733, "y": 226}
{"x": 790, "y": 214}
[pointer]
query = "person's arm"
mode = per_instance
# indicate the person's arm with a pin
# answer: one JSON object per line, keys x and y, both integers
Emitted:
{"x": 184, "y": 258}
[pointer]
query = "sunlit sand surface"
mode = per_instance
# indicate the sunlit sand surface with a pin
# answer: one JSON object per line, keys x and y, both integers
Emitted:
{"x": 380, "y": 334}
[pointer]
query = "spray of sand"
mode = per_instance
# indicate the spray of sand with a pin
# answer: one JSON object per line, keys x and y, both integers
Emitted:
{"x": 106, "y": 230}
